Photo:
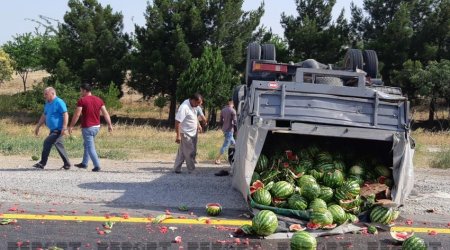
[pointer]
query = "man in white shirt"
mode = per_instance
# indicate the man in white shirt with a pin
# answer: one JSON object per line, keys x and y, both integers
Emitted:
{"x": 186, "y": 127}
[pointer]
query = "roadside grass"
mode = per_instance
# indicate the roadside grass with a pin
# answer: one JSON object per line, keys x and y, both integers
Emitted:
{"x": 442, "y": 160}
{"x": 431, "y": 147}
{"x": 127, "y": 142}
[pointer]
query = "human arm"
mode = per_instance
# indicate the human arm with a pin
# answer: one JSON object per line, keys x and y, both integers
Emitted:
{"x": 177, "y": 131}
{"x": 75, "y": 118}
{"x": 65, "y": 122}
{"x": 107, "y": 118}
{"x": 39, "y": 124}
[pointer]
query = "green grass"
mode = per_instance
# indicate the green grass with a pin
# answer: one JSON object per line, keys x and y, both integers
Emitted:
{"x": 441, "y": 160}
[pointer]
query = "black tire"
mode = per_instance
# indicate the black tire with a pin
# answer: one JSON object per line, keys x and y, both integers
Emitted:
{"x": 238, "y": 95}
{"x": 253, "y": 53}
{"x": 353, "y": 59}
{"x": 268, "y": 52}
{"x": 370, "y": 63}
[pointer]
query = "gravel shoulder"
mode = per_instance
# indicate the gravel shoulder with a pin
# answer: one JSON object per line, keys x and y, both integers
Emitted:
{"x": 144, "y": 185}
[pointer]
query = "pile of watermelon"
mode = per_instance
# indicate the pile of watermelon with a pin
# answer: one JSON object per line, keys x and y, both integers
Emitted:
{"x": 324, "y": 183}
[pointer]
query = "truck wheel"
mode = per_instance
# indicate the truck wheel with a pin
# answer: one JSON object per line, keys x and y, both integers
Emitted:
{"x": 268, "y": 52}
{"x": 253, "y": 53}
{"x": 370, "y": 63}
{"x": 353, "y": 59}
{"x": 238, "y": 95}
{"x": 334, "y": 81}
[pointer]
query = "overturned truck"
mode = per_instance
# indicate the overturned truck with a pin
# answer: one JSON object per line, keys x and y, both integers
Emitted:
{"x": 309, "y": 118}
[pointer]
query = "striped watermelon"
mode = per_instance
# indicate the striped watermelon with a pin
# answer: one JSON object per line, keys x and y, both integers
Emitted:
{"x": 317, "y": 203}
{"x": 349, "y": 204}
{"x": 339, "y": 164}
{"x": 262, "y": 163}
{"x": 352, "y": 218}
{"x": 333, "y": 179}
{"x": 310, "y": 191}
{"x": 381, "y": 215}
{"x": 255, "y": 177}
{"x": 303, "y": 241}
{"x": 269, "y": 175}
{"x": 321, "y": 216}
{"x": 313, "y": 150}
{"x": 326, "y": 193}
{"x": 325, "y": 167}
{"x": 213, "y": 209}
{"x": 324, "y": 156}
{"x": 297, "y": 202}
{"x": 338, "y": 213}
{"x": 305, "y": 179}
{"x": 414, "y": 243}
{"x": 356, "y": 178}
{"x": 265, "y": 223}
{"x": 305, "y": 165}
{"x": 381, "y": 170}
{"x": 348, "y": 190}
{"x": 317, "y": 174}
{"x": 282, "y": 189}
{"x": 262, "y": 196}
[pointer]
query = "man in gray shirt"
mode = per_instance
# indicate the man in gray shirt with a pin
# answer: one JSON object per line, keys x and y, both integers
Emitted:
{"x": 228, "y": 120}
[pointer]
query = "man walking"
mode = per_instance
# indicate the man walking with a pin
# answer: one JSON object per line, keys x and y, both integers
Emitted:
{"x": 55, "y": 117}
{"x": 89, "y": 107}
{"x": 228, "y": 120}
{"x": 186, "y": 127}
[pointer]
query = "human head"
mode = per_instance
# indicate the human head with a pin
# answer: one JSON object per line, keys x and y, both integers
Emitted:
{"x": 85, "y": 88}
{"x": 196, "y": 99}
{"x": 49, "y": 94}
{"x": 230, "y": 102}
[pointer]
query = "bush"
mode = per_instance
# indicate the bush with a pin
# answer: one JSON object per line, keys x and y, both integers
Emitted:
{"x": 442, "y": 160}
{"x": 110, "y": 96}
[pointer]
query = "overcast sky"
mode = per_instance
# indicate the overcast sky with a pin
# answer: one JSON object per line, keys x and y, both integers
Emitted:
{"x": 16, "y": 15}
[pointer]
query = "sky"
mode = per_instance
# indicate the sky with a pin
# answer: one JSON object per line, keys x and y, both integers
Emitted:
{"x": 16, "y": 15}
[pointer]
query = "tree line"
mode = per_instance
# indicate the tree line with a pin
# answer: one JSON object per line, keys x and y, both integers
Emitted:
{"x": 200, "y": 45}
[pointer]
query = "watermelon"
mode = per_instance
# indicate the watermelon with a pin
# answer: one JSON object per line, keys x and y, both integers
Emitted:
{"x": 348, "y": 190}
{"x": 282, "y": 189}
{"x": 352, "y": 218}
{"x": 357, "y": 178}
{"x": 305, "y": 179}
{"x": 262, "y": 196}
{"x": 278, "y": 202}
{"x": 414, "y": 243}
{"x": 213, "y": 209}
{"x": 356, "y": 170}
{"x": 262, "y": 163}
{"x": 381, "y": 215}
{"x": 349, "y": 204}
{"x": 269, "y": 175}
{"x": 339, "y": 164}
{"x": 317, "y": 203}
{"x": 313, "y": 150}
{"x": 255, "y": 177}
{"x": 317, "y": 174}
{"x": 245, "y": 229}
{"x": 296, "y": 228}
{"x": 264, "y": 223}
{"x": 324, "y": 157}
{"x": 338, "y": 213}
{"x": 333, "y": 179}
{"x": 321, "y": 216}
{"x": 326, "y": 193}
{"x": 381, "y": 170}
{"x": 310, "y": 191}
{"x": 372, "y": 230}
{"x": 297, "y": 202}
{"x": 303, "y": 241}
{"x": 325, "y": 167}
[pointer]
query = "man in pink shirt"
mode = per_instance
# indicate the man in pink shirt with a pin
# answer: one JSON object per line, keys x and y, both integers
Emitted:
{"x": 89, "y": 107}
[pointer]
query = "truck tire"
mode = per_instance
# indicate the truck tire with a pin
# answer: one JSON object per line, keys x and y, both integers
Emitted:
{"x": 333, "y": 81}
{"x": 238, "y": 95}
{"x": 268, "y": 52}
{"x": 370, "y": 63}
{"x": 253, "y": 53}
{"x": 353, "y": 59}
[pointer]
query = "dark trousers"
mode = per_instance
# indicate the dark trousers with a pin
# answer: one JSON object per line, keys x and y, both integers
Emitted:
{"x": 54, "y": 138}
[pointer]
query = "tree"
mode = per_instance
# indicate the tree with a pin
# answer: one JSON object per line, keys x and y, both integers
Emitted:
{"x": 311, "y": 34}
{"x": 25, "y": 52}
{"x": 210, "y": 76}
{"x": 91, "y": 44}
{"x": 6, "y": 68}
{"x": 176, "y": 31}
{"x": 434, "y": 82}
{"x": 402, "y": 78}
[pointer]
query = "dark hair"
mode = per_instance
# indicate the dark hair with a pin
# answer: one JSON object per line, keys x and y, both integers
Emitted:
{"x": 196, "y": 96}
{"x": 86, "y": 86}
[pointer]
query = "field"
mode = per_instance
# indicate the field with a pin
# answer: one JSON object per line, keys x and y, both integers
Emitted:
{"x": 137, "y": 136}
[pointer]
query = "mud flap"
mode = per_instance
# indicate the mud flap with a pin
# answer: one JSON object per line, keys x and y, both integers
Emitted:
{"x": 403, "y": 169}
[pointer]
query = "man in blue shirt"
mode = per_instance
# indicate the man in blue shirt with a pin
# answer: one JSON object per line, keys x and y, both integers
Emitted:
{"x": 55, "y": 117}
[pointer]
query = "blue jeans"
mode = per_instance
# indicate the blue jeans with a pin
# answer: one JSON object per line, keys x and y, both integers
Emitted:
{"x": 229, "y": 139}
{"x": 89, "y": 146}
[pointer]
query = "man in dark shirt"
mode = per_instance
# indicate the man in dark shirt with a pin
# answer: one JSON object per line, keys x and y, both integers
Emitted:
{"x": 228, "y": 120}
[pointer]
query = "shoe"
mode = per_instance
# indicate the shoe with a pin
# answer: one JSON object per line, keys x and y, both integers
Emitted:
{"x": 96, "y": 170}
{"x": 217, "y": 162}
{"x": 80, "y": 165}
{"x": 222, "y": 173}
{"x": 66, "y": 167}
{"x": 177, "y": 172}
{"x": 38, "y": 165}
